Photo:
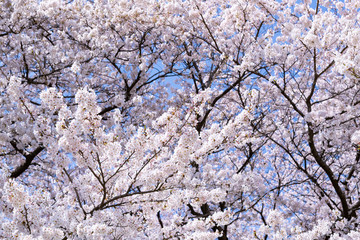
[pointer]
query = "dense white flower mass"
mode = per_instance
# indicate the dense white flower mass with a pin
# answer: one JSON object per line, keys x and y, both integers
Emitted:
{"x": 176, "y": 119}
{"x": 355, "y": 138}
{"x": 51, "y": 98}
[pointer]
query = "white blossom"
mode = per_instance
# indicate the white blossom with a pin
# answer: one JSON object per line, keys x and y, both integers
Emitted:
{"x": 174, "y": 119}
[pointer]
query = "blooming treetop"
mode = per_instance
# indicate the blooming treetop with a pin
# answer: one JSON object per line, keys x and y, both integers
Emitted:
{"x": 144, "y": 119}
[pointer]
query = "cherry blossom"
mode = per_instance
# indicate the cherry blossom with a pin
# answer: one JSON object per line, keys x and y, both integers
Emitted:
{"x": 178, "y": 119}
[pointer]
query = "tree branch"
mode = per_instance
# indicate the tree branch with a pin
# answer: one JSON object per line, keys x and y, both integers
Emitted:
{"x": 28, "y": 159}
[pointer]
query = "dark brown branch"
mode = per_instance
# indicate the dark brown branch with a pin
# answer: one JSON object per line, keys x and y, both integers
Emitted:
{"x": 107, "y": 109}
{"x": 159, "y": 218}
{"x": 28, "y": 159}
{"x": 248, "y": 159}
{"x": 201, "y": 123}
{"x": 27, "y": 222}
{"x": 77, "y": 193}
{"x": 106, "y": 203}
{"x": 329, "y": 173}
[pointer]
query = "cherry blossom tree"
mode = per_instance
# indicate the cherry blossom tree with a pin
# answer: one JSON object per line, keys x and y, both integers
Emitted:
{"x": 152, "y": 119}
